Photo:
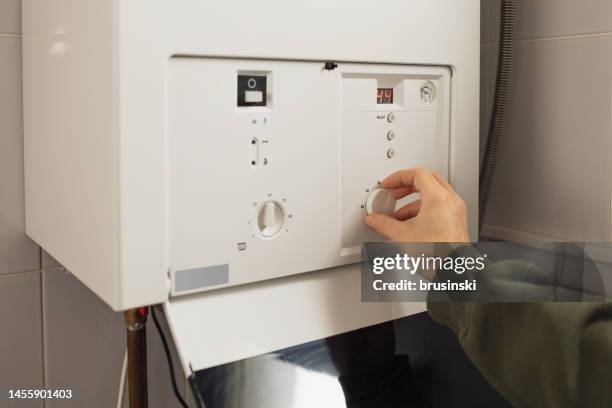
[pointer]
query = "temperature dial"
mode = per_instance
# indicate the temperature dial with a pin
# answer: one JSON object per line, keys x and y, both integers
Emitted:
{"x": 270, "y": 219}
{"x": 380, "y": 201}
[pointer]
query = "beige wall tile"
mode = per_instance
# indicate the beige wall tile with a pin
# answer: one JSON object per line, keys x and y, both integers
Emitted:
{"x": 47, "y": 261}
{"x": 484, "y": 19}
{"x": 85, "y": 345}
{"x": 488, "y": 74}
{"x": 21, "y": 357}
{"x": 554, "y": 170}
{"x": 489, "y": 27}
{"x": 550, "y": 18}
{"x": 17, "y": 252}
{"x": 10, "y": 16}
{"x": 84, "y": 342}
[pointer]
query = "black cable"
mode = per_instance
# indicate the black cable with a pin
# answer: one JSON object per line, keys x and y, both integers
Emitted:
{"x": 500, "y": 106}
{"x": 169, "y": 359}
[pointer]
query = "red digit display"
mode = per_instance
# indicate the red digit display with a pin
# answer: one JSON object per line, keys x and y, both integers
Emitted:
{"x": 384, "y": 96}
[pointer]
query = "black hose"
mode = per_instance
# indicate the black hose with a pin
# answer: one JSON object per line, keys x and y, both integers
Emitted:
{"x": 162, "y": 337}
{"x": 500, "y": 106}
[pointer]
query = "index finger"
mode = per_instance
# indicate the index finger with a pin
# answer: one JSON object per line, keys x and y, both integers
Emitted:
{"x": 417, "y": 178}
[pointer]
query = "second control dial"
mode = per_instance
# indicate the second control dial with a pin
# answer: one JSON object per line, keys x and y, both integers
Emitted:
{"x": 270, "y": 219}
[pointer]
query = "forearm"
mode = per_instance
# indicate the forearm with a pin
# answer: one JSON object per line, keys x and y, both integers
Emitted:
{"x": 538, "y": 354}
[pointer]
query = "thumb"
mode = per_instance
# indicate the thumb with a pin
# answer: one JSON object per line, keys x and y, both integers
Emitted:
{"x": 386, "y": 226}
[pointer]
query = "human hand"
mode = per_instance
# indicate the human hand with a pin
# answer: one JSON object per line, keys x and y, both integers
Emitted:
{"x": 438, "y": 216}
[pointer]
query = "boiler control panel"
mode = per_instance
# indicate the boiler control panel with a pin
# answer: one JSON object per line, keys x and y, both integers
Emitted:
{"x": 272, "y": 165}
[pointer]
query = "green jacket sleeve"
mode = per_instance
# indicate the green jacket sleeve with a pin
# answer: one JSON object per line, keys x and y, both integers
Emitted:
{"x": 537, "y": 354}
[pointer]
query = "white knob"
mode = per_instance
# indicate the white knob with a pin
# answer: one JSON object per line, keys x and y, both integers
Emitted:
{"x": 270, "y": 219}
{"x": 380, "y": 201}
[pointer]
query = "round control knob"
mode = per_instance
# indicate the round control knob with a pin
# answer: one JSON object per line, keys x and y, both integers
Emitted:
{"x": 380, "y": 201}
{"x": 390, "y": 135}
{"x": 390, "y": 117}
{"x": 270, "y": 219}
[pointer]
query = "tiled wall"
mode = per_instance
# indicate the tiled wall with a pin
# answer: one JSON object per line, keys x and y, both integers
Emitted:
{"x": 21, "y": 344}
{"x": 55, "y": 333}
{"x": 554, "y": 175}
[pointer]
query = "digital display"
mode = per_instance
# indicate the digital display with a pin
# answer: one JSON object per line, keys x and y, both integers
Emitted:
{"x": 384, "y": 96}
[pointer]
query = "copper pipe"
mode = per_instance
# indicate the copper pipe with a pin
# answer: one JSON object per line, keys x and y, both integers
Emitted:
{"x": 136, "y": 321}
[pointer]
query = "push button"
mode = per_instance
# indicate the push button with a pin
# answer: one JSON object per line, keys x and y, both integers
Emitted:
{"x": 253, "y": 96}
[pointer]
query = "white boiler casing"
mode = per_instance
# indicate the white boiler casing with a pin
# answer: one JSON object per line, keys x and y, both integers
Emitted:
{"x": 207, "y": 154}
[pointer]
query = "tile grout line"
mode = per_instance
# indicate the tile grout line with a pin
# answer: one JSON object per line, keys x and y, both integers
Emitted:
{"x": 18, "y": 274}
{"x": 565, "y": 37}
{"x": 552, "y": 38}
{"x": 43, "y": 308}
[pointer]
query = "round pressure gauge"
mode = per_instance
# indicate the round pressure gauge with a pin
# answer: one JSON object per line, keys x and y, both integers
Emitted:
{"x": 428, "y": 92}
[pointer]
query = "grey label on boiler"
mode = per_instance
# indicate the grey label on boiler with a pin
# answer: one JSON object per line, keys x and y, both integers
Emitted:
{"x": 198, "y": 278}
